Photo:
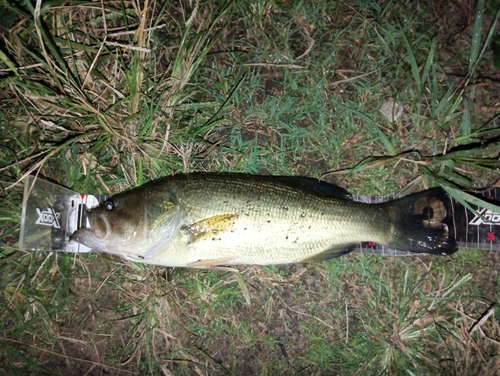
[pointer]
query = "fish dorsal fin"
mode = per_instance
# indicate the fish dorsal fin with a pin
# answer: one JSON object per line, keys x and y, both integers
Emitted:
{"x": 332, "y": 252}
{"x": 316, "y": 186}
{"x": 209, "y": 227}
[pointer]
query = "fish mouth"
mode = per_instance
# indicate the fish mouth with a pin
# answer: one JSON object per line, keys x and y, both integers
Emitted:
{"x": 100, "y": 226}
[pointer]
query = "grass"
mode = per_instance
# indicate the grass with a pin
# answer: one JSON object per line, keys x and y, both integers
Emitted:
{"x": 103, "y": 97}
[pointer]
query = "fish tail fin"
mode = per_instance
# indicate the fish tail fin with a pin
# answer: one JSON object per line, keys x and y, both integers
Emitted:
{"x": 418, "y": 223}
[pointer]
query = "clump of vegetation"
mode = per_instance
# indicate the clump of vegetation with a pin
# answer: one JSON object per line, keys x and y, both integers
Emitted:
{"x": 100, "y": 97}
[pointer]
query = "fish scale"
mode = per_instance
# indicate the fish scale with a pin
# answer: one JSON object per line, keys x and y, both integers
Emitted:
{"x": 283, "y": 211}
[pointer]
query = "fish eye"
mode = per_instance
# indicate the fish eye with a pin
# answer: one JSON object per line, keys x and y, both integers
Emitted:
{"x": 109, "y": 204}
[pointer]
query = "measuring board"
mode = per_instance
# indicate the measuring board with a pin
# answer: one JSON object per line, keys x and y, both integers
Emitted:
{"x": 51, "y": 213}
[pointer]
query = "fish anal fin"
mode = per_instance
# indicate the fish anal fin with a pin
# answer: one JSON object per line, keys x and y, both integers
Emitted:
{"x": 335, "y": 251}
{"x": 209, "y": 227}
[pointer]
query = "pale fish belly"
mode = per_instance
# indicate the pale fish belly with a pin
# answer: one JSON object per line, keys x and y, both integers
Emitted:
{"x": 263, "y": 241}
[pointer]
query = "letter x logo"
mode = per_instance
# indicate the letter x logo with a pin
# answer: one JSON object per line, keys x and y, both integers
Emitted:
{"x": 48, "y": 218}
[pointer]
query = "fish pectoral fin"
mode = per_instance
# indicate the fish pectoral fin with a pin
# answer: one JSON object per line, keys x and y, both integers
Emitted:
{"x": 332, "y": 252}
{"x": 210, "y": 227}
{"x": 213, "y": 264}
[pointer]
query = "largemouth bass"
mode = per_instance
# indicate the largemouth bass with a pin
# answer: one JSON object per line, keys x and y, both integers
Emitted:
{"x": 206, "y": 220}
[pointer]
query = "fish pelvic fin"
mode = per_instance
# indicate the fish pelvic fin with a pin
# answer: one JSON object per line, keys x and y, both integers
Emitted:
{"x": 213, "y": 264}
{"x": 419, "y": 223}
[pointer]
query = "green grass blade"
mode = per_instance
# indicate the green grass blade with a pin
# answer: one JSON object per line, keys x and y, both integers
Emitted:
{"x": 8, "y": 62}
{"x": 476, "y": 37}
{"x": 388, "y": 146}
{"x": 429, "y": 62}
{"x": 466, "y": 198}
{"x": 413, "y": 61}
